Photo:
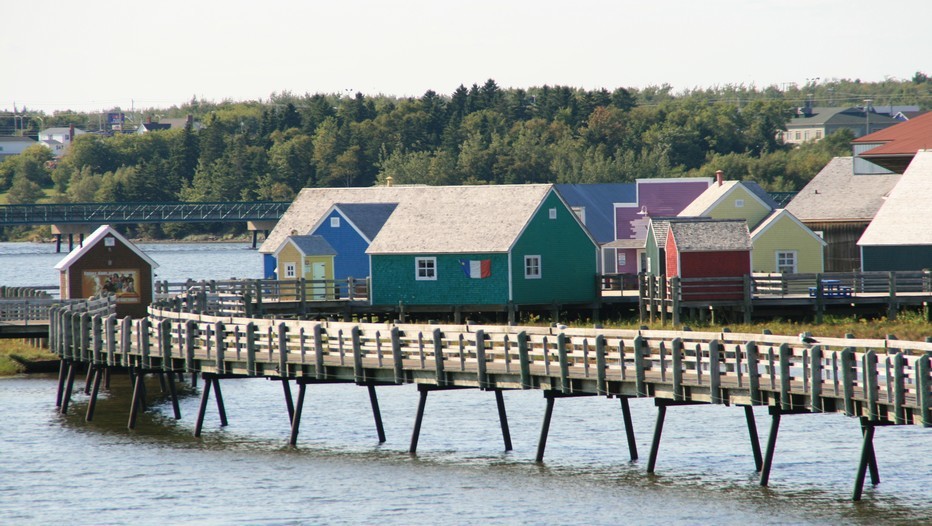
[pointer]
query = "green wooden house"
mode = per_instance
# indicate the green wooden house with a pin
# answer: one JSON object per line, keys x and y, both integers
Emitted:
{"x": 483, "y": 245}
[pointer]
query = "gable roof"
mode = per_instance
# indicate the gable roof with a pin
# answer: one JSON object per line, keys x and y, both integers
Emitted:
{"x": 716, "y": 193}
{"x": 309, "y": 245}
{"x": 598, "y": 200}
{"x": 460, "y": 219}
{"x": 11, "y": 139}
{"x": 902, "y": 218}
{"x": 89, "y": 242}
{"x": 899, "y": 143}
{"x": 661, "y": 225}
{"x": 368, "y": 218}
{"x": 775, "y": 217}
{"x": 852, "y": 116}
{"x": 836, "y": 194}
{"x": 711, "y": 236}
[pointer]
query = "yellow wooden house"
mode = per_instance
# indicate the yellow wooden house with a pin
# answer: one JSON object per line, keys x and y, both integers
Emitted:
{"x": 311, "y": 258}
{"x": 782, "y": 243}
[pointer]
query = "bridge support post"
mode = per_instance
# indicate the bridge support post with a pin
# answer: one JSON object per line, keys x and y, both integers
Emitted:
{"x": 296, "y": 418}
{"x": 376, "y": 413}
{"x": 775, "y": 412}
{"x": 210, "y": 381}
{"x": 550, "y": 396}
{"x": 173, "y": 393}
{"x": 63, "y": 367}
{"x": 289, "y": 403}
{"x": 92, "y": 404}
{"x": 868, "y": 459}
{"x": 658, "y": 431}
{"x": 422, "y": 403}
{"x": 139, "y": 398}
{"x": 629, "y": 428}
{"x": 755, "y": 440}
{"x": 503, "y": 419}
{"x": 69, "y": 385}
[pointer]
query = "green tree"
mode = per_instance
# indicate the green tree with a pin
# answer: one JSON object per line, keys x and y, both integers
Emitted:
{"x": 23, "y": 191}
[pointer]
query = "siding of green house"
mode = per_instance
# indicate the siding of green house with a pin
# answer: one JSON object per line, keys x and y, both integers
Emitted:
{"x": 655, "y": 263}
{"x": 568, "y": 258}
{"x": 394, "y": 280}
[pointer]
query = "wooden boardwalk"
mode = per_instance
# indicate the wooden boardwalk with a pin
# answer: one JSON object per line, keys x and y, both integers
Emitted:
{"x": 879, "y": 382}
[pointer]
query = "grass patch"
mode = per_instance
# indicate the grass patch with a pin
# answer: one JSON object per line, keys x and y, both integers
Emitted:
{"x": 9, "y": 347}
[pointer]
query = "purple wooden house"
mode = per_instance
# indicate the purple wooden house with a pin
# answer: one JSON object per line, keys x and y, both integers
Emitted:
{"x": 654, "y": 197}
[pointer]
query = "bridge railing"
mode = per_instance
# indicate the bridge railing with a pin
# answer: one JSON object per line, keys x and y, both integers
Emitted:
{"x": 885, "y": 381}
{"x": 28, "y": 310}
{"x": 207, "y": 295}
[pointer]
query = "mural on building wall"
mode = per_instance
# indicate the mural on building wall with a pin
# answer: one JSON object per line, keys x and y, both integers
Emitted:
{"x": 121, "y": 283}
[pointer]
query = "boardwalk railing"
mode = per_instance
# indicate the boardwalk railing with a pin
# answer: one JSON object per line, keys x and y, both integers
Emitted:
{"x": 28, "y": 310}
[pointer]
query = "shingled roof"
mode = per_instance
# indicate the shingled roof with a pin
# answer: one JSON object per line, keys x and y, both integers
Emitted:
{"x": 902, "y": 220}
{"x": 836, "y": 194}
{"x": 435, "y": 219}
{"x": 711, "y": 236}
{"x": 459, "y": 219}
{"x": 716, "y": 192}
{"x": 368, "y": 217}
{"x": 899, "y": 143}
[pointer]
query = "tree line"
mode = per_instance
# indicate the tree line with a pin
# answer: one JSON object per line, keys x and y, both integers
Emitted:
{"x": 484, "y": 134}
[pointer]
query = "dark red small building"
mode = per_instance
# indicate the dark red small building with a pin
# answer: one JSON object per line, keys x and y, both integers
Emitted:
{"x": 108, "y": 264}
{"x": 709, "y": 249}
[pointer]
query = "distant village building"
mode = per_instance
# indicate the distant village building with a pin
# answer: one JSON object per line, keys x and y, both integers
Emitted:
{"x": 10, "y": 146}
{"x": 59, "y": 139}
{"x": 816, "y": 123}
{"x": 168, "y": 124}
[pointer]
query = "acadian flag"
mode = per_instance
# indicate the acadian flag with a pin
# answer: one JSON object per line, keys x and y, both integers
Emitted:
{"x": 477, "y": 268}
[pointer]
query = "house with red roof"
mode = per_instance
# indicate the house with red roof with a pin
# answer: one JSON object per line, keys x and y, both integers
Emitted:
{"x": 892, "y": 149}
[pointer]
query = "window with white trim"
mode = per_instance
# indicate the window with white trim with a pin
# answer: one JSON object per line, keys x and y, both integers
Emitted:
{"x": 739, "y": 203}
{"x": 786, "y": 261}
{"x": 531, "y": 267}
{"x": 425, "y": 269}
{"x": 289, "y": 270}
{"x": 553, "y": 213}
{"x": 334, "y": 222}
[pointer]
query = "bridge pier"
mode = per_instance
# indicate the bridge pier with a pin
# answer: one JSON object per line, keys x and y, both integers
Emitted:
{"x": 551, "y": 395}
{"x": 210, "y": 381}
{"x": 423, "y": 389}
{"x": 81, "y": 229}
{"x": 256, "y": 226}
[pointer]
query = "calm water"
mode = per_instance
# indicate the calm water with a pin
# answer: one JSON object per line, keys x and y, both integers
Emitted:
{"x": 56, "y": 469}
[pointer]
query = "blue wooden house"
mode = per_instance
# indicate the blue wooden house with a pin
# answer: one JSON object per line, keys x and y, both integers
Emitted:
{"x": 350, "y": 228}
{"x": 483, "y": 245}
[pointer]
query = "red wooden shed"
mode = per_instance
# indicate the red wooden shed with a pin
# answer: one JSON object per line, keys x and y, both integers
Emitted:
{"x": 709, "y": 249}
{"x": 108, "y": 264}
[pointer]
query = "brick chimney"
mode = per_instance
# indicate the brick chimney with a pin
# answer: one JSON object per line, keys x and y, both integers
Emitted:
{"x": 719, "y": 177}
{"x": 71, "y": 134}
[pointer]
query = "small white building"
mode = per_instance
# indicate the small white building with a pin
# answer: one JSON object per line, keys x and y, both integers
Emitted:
{"x": 64, "y": 135}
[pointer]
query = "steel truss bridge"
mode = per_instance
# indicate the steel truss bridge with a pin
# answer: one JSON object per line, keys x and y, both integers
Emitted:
{"x": 112, "y": 213}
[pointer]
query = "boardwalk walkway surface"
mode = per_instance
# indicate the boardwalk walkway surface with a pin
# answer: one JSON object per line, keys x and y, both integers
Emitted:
{"x": 880, "y": 382}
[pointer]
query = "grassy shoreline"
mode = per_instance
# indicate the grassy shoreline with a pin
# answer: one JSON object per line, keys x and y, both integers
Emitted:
{"x": 9, "y": 367}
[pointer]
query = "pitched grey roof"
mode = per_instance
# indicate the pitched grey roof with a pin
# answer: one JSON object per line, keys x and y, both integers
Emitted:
{"x": 837, "y": 194}
{"x": 368, "y": 217}
{"x": 435, "y": 219}
{"x": 11, "y": 139}
{"x": 460, "y": 219}
{"x": 661, "y": 225}
{"x": 312, "y": 203}
{"x": 839, "y": 117}
{"x": 902, "y": 219}
{"x": 706, "y": 200}
{"x": 711, "y": 236}
{"x": 313, "y": 245}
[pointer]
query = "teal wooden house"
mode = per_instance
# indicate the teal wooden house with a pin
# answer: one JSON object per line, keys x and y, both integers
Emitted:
{"x": 483, "y": 245}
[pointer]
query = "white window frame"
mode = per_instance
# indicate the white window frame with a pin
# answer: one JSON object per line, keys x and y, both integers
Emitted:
{"x": 782, "y": 259}
{"x": 553, "y": 213}
{"x": 425, "y": 269}
{"x": 290, "y": 270}
{"x": 334, "y": 222}
{"x": 532, "y": 267}
{"x": 739, "y": 203}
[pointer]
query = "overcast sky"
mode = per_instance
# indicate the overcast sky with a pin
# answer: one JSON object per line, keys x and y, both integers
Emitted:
{"x": 94, "y": 55}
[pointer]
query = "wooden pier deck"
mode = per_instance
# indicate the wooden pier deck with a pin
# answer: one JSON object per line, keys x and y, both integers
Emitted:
{"x": 879, "y": 382}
